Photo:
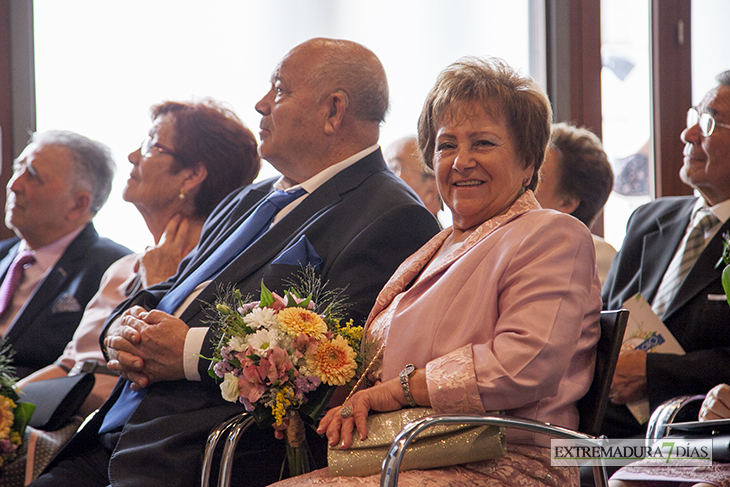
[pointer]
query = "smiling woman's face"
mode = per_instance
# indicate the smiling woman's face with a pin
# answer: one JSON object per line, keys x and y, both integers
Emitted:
{"x": 477, "y": 168}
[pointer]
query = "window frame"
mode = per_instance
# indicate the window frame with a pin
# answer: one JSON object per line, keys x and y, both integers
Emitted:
{"x": 573, "y": 58}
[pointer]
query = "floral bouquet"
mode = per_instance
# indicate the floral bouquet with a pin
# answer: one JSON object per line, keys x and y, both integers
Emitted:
{"x": 14, "y": 415}
{"x": 282, "y": 357}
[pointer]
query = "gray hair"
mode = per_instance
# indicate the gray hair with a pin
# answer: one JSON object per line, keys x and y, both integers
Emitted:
{"x": 355, "y": 70}
{"x": 724, "y": 78}
{"x": 93, "y": 167}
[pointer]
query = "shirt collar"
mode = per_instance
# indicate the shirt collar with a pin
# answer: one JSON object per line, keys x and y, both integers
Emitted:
{"x": 720, "y": 210}
{"x": 311, "y": 184}
{"x": 47, "y": 256}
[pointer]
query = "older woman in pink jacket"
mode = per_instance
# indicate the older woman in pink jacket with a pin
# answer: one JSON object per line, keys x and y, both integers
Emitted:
{"x": 499, "y": 312}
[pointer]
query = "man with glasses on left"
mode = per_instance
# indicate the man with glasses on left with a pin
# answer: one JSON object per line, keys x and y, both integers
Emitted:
{"x": 670, "y": 255}
{"x": 50, "y": 271}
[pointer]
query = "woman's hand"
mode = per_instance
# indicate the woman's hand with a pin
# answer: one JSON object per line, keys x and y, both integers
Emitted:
{"x": 386, "y": 396}
{"x": 160, "y": 262}
{"x": 716, "y": 404}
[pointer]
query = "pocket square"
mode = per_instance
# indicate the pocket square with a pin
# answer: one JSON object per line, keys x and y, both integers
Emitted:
{"x": 66, "y": 303}
{"x": 716, "y": 297}
{"x": 302, "y": 253}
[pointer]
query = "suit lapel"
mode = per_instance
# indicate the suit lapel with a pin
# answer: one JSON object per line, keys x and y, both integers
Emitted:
{"x": 8, "y": 259}
{"x": 659, "y": 248}
{"x": 261, "y": 252}
{"x": 702, "y": 274}
{"x": 249, "y": 201}
{"x": 49, "y": 288}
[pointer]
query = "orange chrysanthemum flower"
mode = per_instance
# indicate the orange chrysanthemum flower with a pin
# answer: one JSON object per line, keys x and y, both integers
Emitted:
{"x": 333, "y": 362}
{"x": 295, "y": 321}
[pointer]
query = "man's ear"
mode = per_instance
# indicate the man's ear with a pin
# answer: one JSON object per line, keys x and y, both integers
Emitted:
{"x": 337, "y": 104}
{"x": 81, "y": 205}
{"x": 568, "y": 204}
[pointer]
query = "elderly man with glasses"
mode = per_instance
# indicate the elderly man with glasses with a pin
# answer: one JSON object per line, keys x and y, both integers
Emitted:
{"x": 670, "y": 256}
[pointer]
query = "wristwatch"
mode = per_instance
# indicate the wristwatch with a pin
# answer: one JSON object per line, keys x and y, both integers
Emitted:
{"x": 404, "y": 376}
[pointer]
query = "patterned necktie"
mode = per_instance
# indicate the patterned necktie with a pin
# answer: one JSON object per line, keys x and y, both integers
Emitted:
{"x": 252, "y": 227}
{"x": 13, "y": 278}
{"x": 683, "y": 261}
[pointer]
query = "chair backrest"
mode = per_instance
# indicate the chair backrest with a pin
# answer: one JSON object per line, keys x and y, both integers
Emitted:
{"x": 592, "y": 406}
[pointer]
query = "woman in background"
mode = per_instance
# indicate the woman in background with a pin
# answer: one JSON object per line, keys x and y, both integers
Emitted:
{"x": 194, "y": 155}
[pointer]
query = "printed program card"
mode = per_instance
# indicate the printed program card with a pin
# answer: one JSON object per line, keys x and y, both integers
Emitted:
{"x": 645, "y": 331}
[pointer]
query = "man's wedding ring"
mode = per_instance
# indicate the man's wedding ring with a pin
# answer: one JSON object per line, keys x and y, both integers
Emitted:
{"x": 346, "y": 411}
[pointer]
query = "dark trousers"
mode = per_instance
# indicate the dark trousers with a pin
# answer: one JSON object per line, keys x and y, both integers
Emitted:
{"x": 88, "y": 470}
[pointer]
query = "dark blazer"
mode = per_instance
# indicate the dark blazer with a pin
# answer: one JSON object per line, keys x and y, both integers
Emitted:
{"x": 362, "y": 223}
{"x": 47, "y": 321}
{"x": 701, "y": 325}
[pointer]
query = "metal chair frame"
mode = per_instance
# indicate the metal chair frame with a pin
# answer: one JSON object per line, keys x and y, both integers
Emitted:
{"x": 665, "y": 414}
{"x": 392, "y": 461}
{"x": 613, "y": 325}
{"x": 235, "y": 427}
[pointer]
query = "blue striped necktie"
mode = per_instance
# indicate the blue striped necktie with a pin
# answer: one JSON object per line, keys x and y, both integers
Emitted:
{"x": 257, "y": 223}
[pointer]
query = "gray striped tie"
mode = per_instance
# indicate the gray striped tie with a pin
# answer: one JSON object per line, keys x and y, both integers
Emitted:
{"x": 683, "y": 261}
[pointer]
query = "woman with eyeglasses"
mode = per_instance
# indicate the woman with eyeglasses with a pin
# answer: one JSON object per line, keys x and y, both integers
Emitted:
{"x": 195, "y": 154}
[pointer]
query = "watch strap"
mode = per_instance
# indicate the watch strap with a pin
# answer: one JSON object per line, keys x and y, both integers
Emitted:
{"x": 406, "y": 386}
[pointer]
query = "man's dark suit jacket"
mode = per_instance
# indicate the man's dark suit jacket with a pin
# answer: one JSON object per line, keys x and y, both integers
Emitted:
{"x": 47, "y": 321}
{"x": 701, "y": 325}
{"x": 362, "y": 223}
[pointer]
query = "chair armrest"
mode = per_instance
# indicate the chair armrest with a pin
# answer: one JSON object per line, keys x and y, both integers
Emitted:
{"x": 392, "y": 461}
{"x": 665, "y": 414}
{"x": 235, "y": 426}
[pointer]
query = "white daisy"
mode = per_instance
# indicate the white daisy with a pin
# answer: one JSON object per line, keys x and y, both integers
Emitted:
{"x": 263, "y": 340}
{"x": 237, "y": 344}
{"x": 261, "y": 318}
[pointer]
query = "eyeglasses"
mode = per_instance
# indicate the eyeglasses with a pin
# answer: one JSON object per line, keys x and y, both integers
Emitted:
{"x": 147, "y": 147}
{"x": 706, "y": 122}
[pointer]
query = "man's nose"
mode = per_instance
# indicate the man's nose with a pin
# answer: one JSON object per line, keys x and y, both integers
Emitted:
{"x": 15, "y": 183}
{"x": 692, "y": 135}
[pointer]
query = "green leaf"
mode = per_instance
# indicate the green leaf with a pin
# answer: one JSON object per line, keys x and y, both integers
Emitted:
{"x": 726, "y": 282}
{"x": 263, "y": 417}
{"x": 292, "y": 303}
{"x": 267, "y": 298}
{"x": 317, "y": 401}
{"x": 23, "y": 412}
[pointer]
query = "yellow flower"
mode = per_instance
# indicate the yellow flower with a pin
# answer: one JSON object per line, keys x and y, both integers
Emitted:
{"x": 295, "y": 321}
{"x": 353, "y": 334}
{"x": 283, "y": 400}
{"x": 333, "y": 362}
{"x": 6, "y": 416}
